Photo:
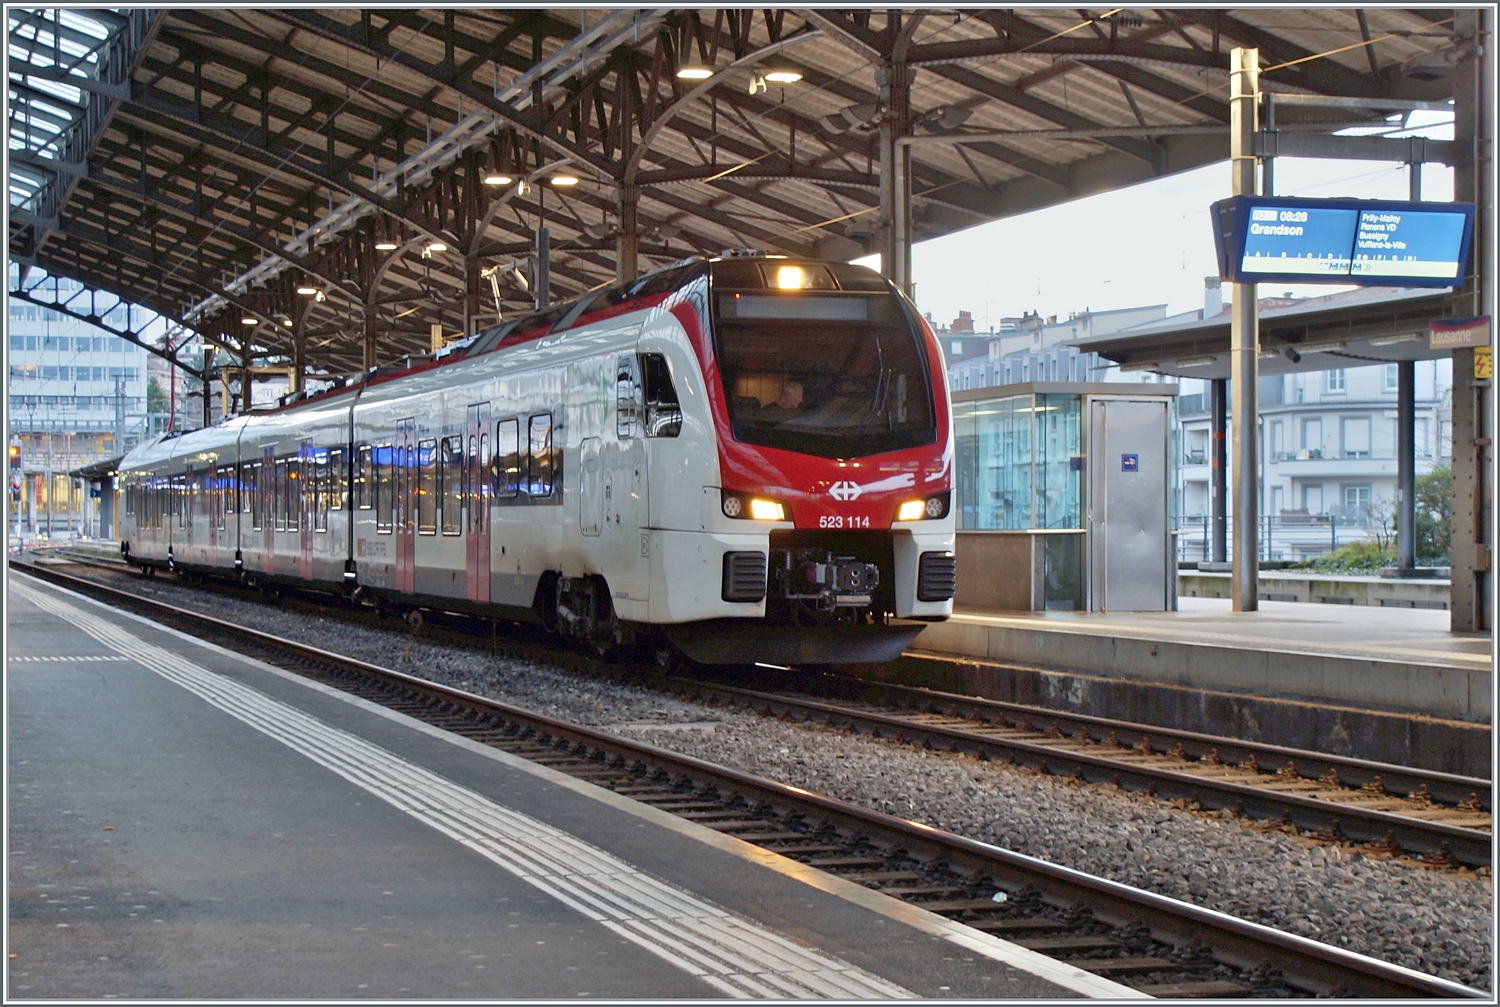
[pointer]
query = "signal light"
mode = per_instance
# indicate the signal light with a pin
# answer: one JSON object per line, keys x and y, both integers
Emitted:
{"x": 15, "y": 456}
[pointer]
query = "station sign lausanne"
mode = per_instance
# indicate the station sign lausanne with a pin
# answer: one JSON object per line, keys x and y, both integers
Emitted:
{"x": 1347, "y": 241}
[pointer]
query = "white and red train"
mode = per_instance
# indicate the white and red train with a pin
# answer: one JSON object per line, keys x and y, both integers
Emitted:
{"x": 749, "y": 457}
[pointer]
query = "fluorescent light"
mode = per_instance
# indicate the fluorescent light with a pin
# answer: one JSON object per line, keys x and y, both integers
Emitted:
{"x": 1194, "y": 362}
{"x": 1409, "y": 337}
{"x": 385, "y": 246}
{"x": 497, "y": 180}
{"x": 307, "y": 291}
{"x": 249, "y": 320}
{"x": 783, "y": 76}
{"x": 564, "y": 179}
{"x": 437, "y": 246}
{"x": 1323, "y": 348}
{"x": 695, "y": 73}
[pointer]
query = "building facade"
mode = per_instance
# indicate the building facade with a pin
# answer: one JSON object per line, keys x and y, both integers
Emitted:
{"x": 1328, "y": 438}
{"x": 77, "y": 395}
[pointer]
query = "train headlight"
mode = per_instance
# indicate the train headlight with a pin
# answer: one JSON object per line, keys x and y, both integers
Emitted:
{"x": 733, "y": 506}
{"x": 767, "y": 510}
{"x": 916, "y": 510}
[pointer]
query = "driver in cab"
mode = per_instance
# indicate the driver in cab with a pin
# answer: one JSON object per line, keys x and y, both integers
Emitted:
{"x": 788, "y": 404}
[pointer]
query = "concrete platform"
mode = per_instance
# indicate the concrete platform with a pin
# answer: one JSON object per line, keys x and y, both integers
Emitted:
{"x": 1400, "y": 660}
{"x": 189, "y": 824}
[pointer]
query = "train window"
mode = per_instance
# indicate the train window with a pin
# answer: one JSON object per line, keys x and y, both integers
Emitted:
{"x": 427, "y": 492}
{"x": 321, "y": 488}
{"x": 278, "y": 496}
{"x": 627, "y": 398}
{"x": 663, "y": 413}
{"x": 539, "y": 457}
{"x": 507, "y": 458}
{"x": 179, "y": 499}
{"x": 336, "y": 476}
{"x": 451, "y": 484}
{"x": 249, "y": 486}
{"x": 364, "y": 478}
{"x": 385, "y": 496}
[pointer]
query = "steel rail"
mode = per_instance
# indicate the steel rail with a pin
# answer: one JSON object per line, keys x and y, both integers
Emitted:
{"x": 1096, "y": 764}
{"x": 1305, "y": 964}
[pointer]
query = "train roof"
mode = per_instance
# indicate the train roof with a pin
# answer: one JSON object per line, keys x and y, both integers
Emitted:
{"x": 645, "y": 291}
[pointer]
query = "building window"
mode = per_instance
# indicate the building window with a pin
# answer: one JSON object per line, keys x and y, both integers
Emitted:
{"x": 1357, "y": 498}
{"x": 1312, "y": 437}
{"x": 1392, "y": 377}
{"x": 1356, "y": 437}
{"x": 1312, "y": 498}
{"x": 1333, "y": 381}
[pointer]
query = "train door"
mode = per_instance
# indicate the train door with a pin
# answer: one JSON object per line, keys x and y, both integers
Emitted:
{"x": 306, "y": 495}
{"x": 268, "y": 498}
{"x": 406, "y": 517}
{"x": 625, "y": 539}
{"x": 476, "y": 493}
{"x": 190, "y": 512}
{"x": 215, "y": 508}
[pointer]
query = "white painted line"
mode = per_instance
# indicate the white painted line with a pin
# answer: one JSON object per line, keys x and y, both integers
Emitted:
{"x": 672, "y": 923}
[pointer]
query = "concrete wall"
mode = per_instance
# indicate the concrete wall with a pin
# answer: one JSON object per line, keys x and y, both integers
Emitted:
{"x": 1428, "y": 689}
{"x": 1390, "y": 592}
{"x": 1001, "y": 570}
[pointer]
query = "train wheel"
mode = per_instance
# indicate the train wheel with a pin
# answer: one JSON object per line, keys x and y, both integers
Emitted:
{"x": 414, "y": 619}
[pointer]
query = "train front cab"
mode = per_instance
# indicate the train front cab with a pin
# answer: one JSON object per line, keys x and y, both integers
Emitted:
{"x": 805, "y": 503}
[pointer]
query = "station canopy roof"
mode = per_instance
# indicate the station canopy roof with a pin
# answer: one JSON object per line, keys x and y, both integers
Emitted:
{"x": 209, "y": 163}
{"x": 1349, "y": 328}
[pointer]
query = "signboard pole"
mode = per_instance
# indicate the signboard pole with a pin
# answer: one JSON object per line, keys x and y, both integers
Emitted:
{"x": 1244, "y": 340}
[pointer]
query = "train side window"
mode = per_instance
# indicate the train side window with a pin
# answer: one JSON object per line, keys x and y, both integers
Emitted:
{"x": 663, "y": 412}
{"x": 364, "y": 478}
{"x": 427, "y": 491}
{"x": 539, "y": 457}
{"x": 627, "y": 398}
{"x": 385, "y": 495}
{"x": 249, "y": 488}
{"x": 336, "y": 476}
{"x": 279, "y": 496}
{"x": 507, "y": 458}
{"x": 451, "y": 484}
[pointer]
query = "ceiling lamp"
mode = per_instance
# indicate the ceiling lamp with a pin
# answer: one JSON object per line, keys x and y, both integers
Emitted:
{"x": 435, "y": 246}
{"x": 783, "y": 76}
{"x": 249, "y": 320}
{"x": 307, "y": 291}
{"x": 497, "y": 179}
{"x": 564, "y": 179}
{"x": 385, "y": 246}
{"x": 695, "y": 73}
{"x": 859, "y": 118}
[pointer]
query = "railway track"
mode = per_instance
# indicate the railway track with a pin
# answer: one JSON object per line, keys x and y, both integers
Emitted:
{"x": 1156, "y": 944}
{"x": 1440, "y": 817}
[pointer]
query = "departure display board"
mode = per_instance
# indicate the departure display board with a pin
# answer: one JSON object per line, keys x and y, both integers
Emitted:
{"x": 1346, "y": 241}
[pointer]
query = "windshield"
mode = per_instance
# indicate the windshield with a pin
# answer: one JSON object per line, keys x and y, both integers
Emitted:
{"x": 834, "y": 373}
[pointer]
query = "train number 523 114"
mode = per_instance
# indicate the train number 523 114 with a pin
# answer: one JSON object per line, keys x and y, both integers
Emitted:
{"x": 841, "y": 521}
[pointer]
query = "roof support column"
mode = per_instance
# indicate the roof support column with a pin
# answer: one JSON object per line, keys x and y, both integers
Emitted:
{"x": 1406, "y": 467}
{"x": 1218, "y": 467}
{"x": 471, "y": 295}
{"x": 628, "y": 241}
{"x": 1473, "y": 460}
{"x": 541, "y": 268}
{"x": 369, "y": 341}
{"x": 246, "y": 378}
{"x": 208, "y": 385}
{"x": 894, "y": 80}
{"x": 299, "y": 353}
{"x": 1244, "y": 342}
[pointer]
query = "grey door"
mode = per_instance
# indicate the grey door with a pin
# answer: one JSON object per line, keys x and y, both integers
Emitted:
{"x": 1128, "y": 505}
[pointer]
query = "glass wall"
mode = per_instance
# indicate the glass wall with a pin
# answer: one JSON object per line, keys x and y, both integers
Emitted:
{"x": 1019, "y": 463}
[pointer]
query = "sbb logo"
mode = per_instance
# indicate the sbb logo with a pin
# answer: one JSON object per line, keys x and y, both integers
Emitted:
{"x": 845, "y": 490}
